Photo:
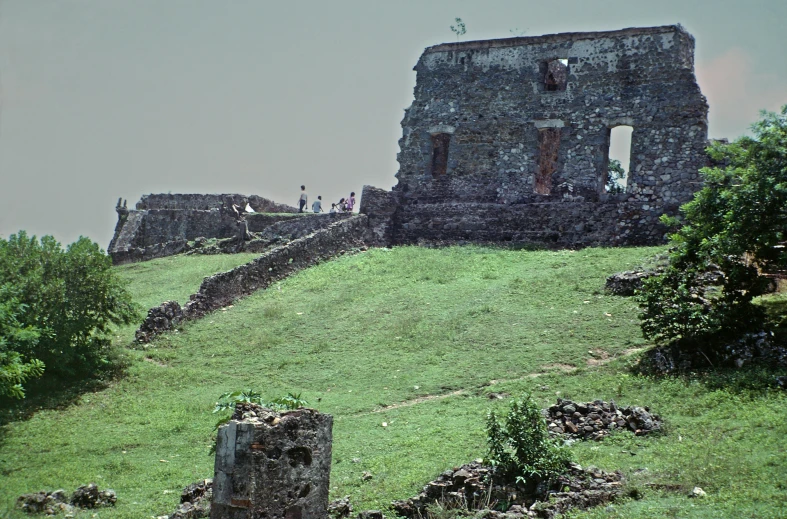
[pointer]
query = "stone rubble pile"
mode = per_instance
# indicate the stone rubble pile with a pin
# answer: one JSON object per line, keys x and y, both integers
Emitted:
{"x": 194, "y": 501}
{"x": 54, "y": 503}
{"x": 595, "y": 420}
{"x": 467, "y": 487}
{"x": 628, "y": 282}
{"x": 160, "y": 318}
{"x": 340, "y": 508}
{"x": 752, "y": 348}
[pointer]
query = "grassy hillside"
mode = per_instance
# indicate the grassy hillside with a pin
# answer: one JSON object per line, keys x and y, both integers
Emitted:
{"x": 418, "y": 339}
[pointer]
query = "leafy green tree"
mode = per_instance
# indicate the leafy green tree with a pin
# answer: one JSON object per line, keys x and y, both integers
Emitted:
{"x": 734, "y": 228}
{"x": 14, "y": 370}
{"x": 615, "y": 173}
{"x": 71, "y": 298}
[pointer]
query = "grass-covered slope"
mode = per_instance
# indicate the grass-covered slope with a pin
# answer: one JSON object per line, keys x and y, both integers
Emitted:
{"x": 418, "y": 339}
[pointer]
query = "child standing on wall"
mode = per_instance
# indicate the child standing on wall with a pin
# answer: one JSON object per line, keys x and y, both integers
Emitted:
{"x": 304, "y": 198}
{"x": 351, "y": 202}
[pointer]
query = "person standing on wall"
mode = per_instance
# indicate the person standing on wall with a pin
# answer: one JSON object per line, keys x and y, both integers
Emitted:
{"x": 317, "y": 205}
{"x": 303, "y": 200}
{"x": 350, "y": 202}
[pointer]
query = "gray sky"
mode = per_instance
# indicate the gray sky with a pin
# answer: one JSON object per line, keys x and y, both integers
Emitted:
{"x": 108, "y": 98}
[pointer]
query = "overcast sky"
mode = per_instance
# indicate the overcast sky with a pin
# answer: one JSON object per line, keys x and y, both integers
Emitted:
{"x": 108, "y": 98}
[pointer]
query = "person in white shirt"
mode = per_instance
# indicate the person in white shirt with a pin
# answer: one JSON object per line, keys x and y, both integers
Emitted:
{"x": 303, "y": 200}
{"x": 317, "y": 205}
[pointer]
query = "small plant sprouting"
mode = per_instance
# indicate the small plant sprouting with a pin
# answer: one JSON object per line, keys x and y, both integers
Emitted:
{"x": 459, "y": 29}
{"x": 228, "y": 401}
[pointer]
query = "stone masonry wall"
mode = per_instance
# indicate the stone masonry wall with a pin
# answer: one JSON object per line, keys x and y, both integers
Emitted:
{"x": 223, "y": 289}
{"x": 502, "y": 130}
{"x": 162, "y": 224}
{"x": 206, "y": 202}
{"x": 272, "y": 465}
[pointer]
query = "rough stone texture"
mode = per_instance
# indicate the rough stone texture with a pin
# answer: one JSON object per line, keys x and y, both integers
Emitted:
{"x": 89, "y": 496}
{"x": 162, "y": 225}
{"x": 753, "y": 348}
{"x": 194, "y": 501}
{"x": 380, "y": 206}
{"x": 340, "y": 236}
{"x": 207, "y": 202}
{"x": 491, "y": 152}
{"x": 160, "y": 318}
{"x": 595, "y": 420}
{"x": 57, "y": 502}
{"x": 627, "y": 283}
{"x": 222, "y": 289}
{"x": 468, "y": 486}
{"x": 340, "y": 508}
{"x": 272, "y": 465}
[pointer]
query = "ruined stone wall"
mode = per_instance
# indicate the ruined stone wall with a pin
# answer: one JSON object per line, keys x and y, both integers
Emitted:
{"x": 222, "y": 289}
{"x": 344, "y": 234}
{"x": 163, "y": 223}
{"x": 502, "y": 130}
{"x": 213, "y": 201}
{"x": 272, "y": 465}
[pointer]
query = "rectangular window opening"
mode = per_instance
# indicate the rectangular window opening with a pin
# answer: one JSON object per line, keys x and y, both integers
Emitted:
{"x": 548, "y": 146}
{"x": 440, "y": 153}
{"x": 618, "y": 159}
{"x": 556, "y": 75}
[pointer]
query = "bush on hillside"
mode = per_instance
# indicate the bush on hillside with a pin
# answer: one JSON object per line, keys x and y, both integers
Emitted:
{"x": 521, "y": 449}
{"x": 60, "y": 305}
{"x": 14, "y": 371}
{"x": 736, "y": 225}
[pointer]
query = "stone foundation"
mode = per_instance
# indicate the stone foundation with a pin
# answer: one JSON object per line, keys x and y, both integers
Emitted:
{"x": 272, "y": 465}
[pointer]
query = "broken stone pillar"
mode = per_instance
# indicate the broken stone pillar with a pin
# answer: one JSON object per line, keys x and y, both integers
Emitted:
{"x": 272, "y": 465}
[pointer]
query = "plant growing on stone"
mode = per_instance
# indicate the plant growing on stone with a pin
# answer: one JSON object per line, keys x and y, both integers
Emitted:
{"x": 459, "y": 29}
{"x": 520, "y": 449}
{"x": 228, "y": 401}
{"x": 736, "y": 225}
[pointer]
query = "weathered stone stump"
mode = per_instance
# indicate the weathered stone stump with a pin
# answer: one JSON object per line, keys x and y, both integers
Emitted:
{"x": 272, "y": 465}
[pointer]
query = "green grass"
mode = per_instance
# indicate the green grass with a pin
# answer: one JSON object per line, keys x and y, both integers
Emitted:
{"x": 417, "y": 338}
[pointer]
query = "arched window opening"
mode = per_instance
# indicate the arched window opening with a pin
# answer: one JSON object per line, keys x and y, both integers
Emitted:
{"x": 618, "y": 159}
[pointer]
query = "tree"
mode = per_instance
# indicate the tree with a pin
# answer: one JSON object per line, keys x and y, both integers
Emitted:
{"x": 733, "y": 230}
{"x": 615, "y": 173}
{"x": 459, "y": 29}
{"x": 69, "y": 298}
{"x": 14, "y": 371}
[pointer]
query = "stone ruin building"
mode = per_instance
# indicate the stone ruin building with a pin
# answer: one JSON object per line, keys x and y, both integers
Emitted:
{"x": 165, "y": 224}
{"x": 507, "y": 140}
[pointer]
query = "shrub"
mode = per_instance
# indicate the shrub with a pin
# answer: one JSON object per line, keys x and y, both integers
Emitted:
{"x": 736, "y": 225}
{"x": 14, "y": 371}
{"x": 521, "y": 449}
{"x": 71, "y": 298}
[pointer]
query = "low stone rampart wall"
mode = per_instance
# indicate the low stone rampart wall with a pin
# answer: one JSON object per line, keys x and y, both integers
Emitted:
{"x": 224, "y": 288}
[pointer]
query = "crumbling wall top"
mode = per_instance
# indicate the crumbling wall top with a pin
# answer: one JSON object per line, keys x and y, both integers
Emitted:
{"x": 557, "y": 38}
